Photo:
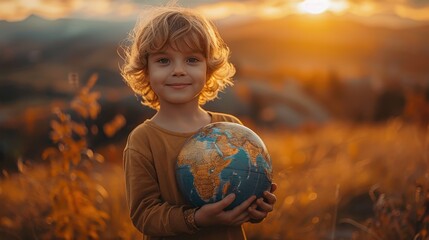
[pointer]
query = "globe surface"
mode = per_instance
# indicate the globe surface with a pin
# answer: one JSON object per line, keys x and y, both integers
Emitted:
{"x": 220, "y": 159}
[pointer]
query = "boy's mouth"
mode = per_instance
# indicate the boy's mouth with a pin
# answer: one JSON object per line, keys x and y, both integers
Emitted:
{"x": 178, "y": 85}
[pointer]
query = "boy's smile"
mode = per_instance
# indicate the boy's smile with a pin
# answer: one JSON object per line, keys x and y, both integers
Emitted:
{"x": 177, "y": 77}
{"x": 178, "y": 85}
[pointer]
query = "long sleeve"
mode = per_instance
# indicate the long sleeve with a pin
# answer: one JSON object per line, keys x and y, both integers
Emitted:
{"x": 149, "y": 213}
{"x": 157, "y": 207}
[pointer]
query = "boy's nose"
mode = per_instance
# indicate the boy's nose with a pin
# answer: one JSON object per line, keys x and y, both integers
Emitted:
{"x": 179, "y": 70}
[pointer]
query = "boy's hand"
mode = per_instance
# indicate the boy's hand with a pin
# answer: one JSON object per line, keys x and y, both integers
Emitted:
{"x": 262, "y": 206}
{"x": 214, "y": 214}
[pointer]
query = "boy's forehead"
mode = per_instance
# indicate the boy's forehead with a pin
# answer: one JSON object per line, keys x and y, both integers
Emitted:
{"x": 178, "y": 47}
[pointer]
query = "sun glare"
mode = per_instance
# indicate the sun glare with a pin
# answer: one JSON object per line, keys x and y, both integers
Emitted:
{"x": 223, "y": 9}
{"x": 314, "y": 6}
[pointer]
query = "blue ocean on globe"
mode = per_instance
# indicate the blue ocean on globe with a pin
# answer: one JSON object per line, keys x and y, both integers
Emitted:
{"x": 220, "y": 159}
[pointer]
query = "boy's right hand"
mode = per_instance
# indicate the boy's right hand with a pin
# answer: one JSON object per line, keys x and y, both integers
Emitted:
{"x": 214, "y": 214}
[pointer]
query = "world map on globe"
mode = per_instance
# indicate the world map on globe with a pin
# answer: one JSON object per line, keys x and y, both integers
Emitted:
{"x": 220, "y": 159}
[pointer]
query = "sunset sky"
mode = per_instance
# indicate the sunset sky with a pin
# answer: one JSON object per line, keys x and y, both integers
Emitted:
{"x": 390, "y": 12}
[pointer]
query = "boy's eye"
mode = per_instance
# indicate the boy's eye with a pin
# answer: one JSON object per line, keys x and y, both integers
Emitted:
{"x": 192, "y": 60}
{"x": 163, "y": 60}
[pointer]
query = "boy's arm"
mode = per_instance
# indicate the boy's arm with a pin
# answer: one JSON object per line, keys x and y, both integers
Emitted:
{"x": 149, "y": 213}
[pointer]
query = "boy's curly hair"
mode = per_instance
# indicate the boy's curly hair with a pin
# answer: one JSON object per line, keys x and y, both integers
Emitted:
{"x": 175, "y": 27}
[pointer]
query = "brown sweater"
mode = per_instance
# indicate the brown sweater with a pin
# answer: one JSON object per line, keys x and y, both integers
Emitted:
{"x": 155, "y": 203}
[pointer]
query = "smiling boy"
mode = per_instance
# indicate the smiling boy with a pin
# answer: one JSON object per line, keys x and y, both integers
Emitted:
{"x": 177, "y": 62}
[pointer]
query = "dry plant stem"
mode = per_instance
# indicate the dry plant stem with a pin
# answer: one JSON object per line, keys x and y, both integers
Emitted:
{"x": 75, "y": 212}
{"x": 334, "y": 221}
{"x": 360, "y": 226}
{"x": 426, "y": 146}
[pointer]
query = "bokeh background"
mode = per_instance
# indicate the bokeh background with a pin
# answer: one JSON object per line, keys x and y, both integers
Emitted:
{"x": 337, "y": 89}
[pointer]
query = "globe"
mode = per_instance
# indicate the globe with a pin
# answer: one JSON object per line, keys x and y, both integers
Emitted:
{"x": 220, "y": 159}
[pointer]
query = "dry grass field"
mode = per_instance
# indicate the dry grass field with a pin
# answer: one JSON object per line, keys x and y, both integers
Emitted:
{"x": 335, "y": 181}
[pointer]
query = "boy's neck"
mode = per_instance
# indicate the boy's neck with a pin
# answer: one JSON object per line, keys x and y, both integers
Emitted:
{"x": 182, "y": 119}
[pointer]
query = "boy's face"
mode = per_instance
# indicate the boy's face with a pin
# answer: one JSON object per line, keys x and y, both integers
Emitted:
{"x": 177, "y": 77}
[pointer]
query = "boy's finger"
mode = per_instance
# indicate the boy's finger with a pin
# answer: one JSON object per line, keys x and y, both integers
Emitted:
{"x": 256, "y": 214}
{"x": 244, "y": 205}
{"x": 273, "y": 187}
{"x": 254, "y": 205}
{"x": 270, "y": 198}
{"x": 222, "y": 204}
{"x": 243, "y": 216}
{"x": 262, "y": 205}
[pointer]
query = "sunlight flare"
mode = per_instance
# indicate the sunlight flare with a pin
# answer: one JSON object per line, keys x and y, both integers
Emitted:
{"x": 314, "y": 6}
{"x": 418, "y": 14}
{"x": 224, "y": 9}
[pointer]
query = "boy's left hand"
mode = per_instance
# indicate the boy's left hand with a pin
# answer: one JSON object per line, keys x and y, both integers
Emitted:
{"x": 262, "y": 206}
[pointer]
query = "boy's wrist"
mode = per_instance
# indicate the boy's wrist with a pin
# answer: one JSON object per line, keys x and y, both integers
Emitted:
{"x": 189, "y": 215}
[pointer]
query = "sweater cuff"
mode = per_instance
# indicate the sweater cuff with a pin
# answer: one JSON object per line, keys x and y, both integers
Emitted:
{"x": 189, "y": 215}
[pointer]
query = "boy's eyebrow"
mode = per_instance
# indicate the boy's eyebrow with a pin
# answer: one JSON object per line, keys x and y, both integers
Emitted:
{"x": 184, "y": 52}
{"x": 158, "y": 53}
{"x": 192, "y": 52}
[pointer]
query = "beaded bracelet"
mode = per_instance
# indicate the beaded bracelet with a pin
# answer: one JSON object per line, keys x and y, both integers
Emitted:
{"x": 189, "y": 215}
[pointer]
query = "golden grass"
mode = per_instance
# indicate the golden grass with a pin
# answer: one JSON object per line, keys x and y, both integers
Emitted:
{"x": 310, "y": 166}
{"x": 319, "y": 171}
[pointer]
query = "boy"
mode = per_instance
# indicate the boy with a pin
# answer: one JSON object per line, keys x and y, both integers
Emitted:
{"x": 177, "y": 61}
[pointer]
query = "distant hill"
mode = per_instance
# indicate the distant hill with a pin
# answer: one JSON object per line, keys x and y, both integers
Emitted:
{"x": 41, "y": 51}
{"x": 42, "y": 30}
{"x": 307, "y": 43}
{"x": 38, "y": 54}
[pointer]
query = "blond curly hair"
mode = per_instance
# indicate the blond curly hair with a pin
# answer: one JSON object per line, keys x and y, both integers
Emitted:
{"x": 173, "y": 26}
